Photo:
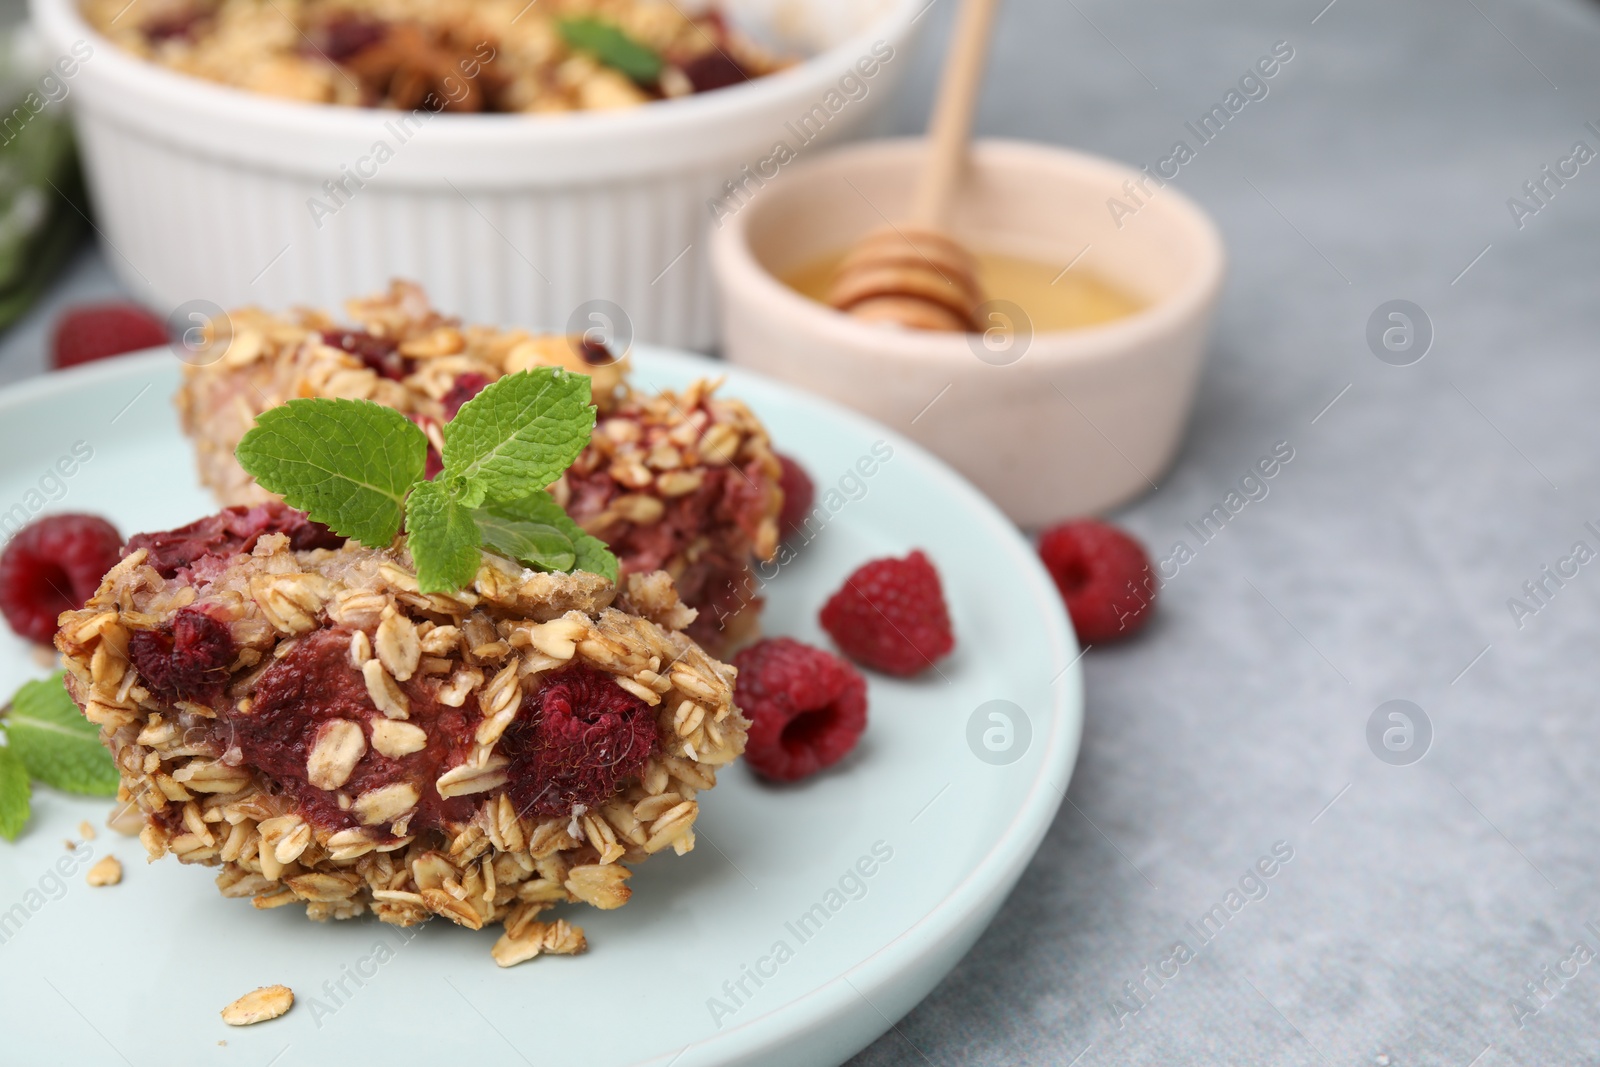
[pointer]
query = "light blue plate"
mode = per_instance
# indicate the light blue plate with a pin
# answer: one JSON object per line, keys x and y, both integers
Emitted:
{"x": 808, "y": 918}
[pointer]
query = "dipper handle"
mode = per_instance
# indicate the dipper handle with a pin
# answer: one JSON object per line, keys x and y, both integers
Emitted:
{"x": 951, "y": 124}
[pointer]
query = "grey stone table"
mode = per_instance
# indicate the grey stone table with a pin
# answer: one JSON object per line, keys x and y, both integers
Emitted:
{"x": 1430, "y": 910}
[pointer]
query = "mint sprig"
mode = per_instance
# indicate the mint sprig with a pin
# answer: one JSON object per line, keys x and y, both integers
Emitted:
{"x": 48, "y": 739}
{"x": 611, "y": 46}
{"x": 16, "y": 795}
{"x": 519, "y": 432}
{"x": 346, "y": 463}
{"x": 541, "y": 509}
{"x": 444, "y": 540}
{"x": 56, "y": 743}
{"x": 358, "y": 467}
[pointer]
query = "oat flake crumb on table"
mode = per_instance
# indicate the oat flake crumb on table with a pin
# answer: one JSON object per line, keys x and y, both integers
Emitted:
{"x": 258, "y": 1006}
{"x": 107, "y": 871}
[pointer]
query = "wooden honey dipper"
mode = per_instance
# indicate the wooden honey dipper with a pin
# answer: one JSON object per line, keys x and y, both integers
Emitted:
{"x": 915, "y": 275}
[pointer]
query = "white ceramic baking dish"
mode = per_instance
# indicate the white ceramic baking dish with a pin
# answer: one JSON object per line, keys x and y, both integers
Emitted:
{"x": 204, "y": 192}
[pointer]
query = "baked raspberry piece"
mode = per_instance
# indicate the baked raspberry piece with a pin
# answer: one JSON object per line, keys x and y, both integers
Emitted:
{"x": 229, "y": 532}
{"x": 380, "y": 354}
{"x": 798, "y": 496}
{"x": 807, "y": 709}
{"x": 575, "y": 740}
{"x": 99, "y": 331}
{"x": 53, "y": 565}
{"x": 890, "y": 615}
{"x": 1104, "y": 576}
{"x": 465, "y": 388}
{"x": 186, "y": 660}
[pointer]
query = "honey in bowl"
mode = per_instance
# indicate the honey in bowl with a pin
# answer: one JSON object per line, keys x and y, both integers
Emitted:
{"x": 1053, "y": 299}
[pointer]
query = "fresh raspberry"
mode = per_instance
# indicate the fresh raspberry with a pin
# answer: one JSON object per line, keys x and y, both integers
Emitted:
{"x": 575, "y": 740}
{"x": 807, "y": 709}
{"x": 53, "y": 565}
{"x": 465, "y": 387}
{"x": 99, "y": 331}
{"x": 1104, "y": 576}
{"x": 186, "y": 660}
{"x": 798, "y": 496}
{"x": 890, "y": 616}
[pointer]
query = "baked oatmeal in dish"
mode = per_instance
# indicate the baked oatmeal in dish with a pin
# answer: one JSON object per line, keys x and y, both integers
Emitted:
{"x": 289, "y": 707}
{"x": 443, "y": 55}
{"x": 684, "y": 482}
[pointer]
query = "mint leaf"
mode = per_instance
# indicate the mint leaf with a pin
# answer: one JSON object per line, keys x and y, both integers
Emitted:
{"x": 56, "y": 744}
{"x": 443, "y": 539}
{"x": 15, "y": 795}
{"x": 517, "y": 436}
{"x": 540, "y": 508}
{"x": 346, "y": 463}
{"x": 532, "y": 544}
{"x": 612, "y": 47}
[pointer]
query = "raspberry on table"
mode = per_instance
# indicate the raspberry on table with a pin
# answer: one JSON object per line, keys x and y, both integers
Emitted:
{"x": 1104, "y": 576}
{"x": 54, "y": 564}
{"x": 798, "y": 496}
{"x": 890, "y": 615}
{"x": 98, "y": 331}
{"x": 807, "y": 709}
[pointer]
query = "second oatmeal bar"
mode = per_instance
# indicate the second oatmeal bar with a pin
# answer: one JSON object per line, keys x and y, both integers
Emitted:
{"x": 681, "y": 481}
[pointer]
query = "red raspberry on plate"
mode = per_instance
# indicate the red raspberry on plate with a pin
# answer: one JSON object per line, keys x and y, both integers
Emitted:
{"x": 99, "y": 331}
{"x": 807, "y": 709}
{"x": 53, "y": 565}
{"x": 798, "y": 496}
{"x": 1104, "y": 576}
{"x": 890, "y": 616}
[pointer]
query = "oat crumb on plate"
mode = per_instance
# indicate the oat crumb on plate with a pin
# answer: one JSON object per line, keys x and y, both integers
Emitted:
{"x": 259, "y": 1005}
{"x": 106, "y": 872}
{"x": 85, "y": 830}
{"x": 126, "y": 819}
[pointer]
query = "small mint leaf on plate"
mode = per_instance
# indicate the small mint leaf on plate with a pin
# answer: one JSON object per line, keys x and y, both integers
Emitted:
{"x": 15, "y": 795}
{"x": 531, "y": 544}
{"x": 591, "y": 553}
{"x": 443, "y": 539}
{"x": 517, "y": 436}
{"x": 55, "y": 743}
{"x": 345, "y": 463}
{"x": 611, "y": 46}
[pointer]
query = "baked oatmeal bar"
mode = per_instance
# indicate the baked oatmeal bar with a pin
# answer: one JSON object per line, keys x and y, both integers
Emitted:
{"x": 442, "y": 55}
{"x": 684, "y": 482}
{"x": 289, "y": 708}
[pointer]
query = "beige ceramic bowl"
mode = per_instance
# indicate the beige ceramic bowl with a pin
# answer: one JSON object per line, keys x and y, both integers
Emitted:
{"x": 1057, "y": 425}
